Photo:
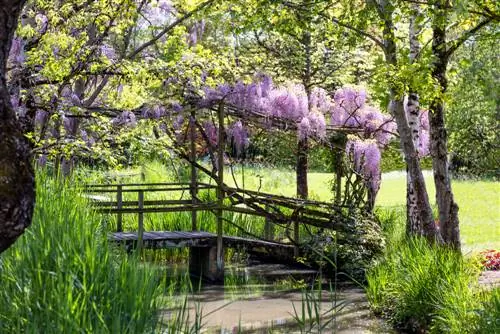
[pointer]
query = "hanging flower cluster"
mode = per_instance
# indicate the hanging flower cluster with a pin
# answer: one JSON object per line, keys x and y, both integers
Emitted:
{"x": 238, "y": 135}
{"x": 347, "y": 109}
{"x": 366, "y": 157}
{"x": 126, "y": 118}
{"x": 350, "y": 110}
{"x": 424, "y": 137}
{"x": 289, "y": 103}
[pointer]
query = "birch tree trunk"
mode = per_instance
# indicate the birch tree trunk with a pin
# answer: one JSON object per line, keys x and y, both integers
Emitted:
{"x": 17, "y": 182}
{"x": 385, "y": 11}
{"x": 448, "y": 209}
{"x": 414, "y": 224}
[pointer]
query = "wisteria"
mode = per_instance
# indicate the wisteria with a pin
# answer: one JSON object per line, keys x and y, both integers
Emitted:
{"x": 424, "y": 137}
{"x": 289, "y": 103}
{"x": 238, "y": 135}
{"x": 126, "y": 118}
{"x": 157, "y": 13}
{"x": 153, "y": 112}
{"x": 88, "y": 139}
{"x": 16, "y": 55}
{"x": 211, "y": 132}
{"x": 366, "y": 157}
{"x": 41, "y": 117}
{"x": 348, "y": 108}
{"x": 196, "y": 32}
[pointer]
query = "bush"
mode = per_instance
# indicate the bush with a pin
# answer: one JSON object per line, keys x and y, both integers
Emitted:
{"x": 420, "y": 287}
{"x": 62, "y": 277}
{"x": 349, "y": 251}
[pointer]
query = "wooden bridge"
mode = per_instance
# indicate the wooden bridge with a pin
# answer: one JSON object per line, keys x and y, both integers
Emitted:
{"x": 206, "y": 248}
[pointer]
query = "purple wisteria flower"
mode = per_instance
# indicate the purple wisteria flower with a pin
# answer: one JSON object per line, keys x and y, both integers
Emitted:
{"x": 366, "y": 157}
{"x": 41, "y": 117}
{"x": 211, "y": 132}
{"x": 16, "y": 55}
{"x": 239, "y": 137}
{"x": 126, "y": 118}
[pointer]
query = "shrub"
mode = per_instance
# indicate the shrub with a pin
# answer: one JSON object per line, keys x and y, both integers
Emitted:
{"x": 351, "y": 250}
{"x": 490, "y": 259}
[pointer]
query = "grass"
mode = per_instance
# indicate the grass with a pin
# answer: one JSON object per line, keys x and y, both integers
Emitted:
{"x": 63, "y": 277}
{"x": 421, "y": 287}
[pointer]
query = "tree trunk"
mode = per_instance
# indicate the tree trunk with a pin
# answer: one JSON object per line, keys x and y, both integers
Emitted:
{"x": 414, "y": 224}
{"x": 448, "y": 209}
{"x": 385, "y": 11}
{"x": 302, "y": 151}
{"x": 17, "y": 182}
{"x": 303, "y": 144}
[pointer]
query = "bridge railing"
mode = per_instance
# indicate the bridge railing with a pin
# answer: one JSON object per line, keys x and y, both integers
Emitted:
{"x": 120, "y": 206}
{"x": 268, "y": 206}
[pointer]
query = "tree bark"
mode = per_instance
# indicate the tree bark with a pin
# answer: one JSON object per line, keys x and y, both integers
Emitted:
{"x": 414, "y": 224}
{"x": 17, "y": 182}
{"x": 302, "y": 152}
{"x": 303, "y": 144}
{"x": 448, "y": 209}
{"x": 396, "y": 107}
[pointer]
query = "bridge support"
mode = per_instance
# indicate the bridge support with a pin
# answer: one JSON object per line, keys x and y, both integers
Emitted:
{"x": 203, "y": 264}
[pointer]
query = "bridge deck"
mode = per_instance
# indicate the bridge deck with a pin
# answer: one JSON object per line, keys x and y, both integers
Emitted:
{"x": 177, "y": 239}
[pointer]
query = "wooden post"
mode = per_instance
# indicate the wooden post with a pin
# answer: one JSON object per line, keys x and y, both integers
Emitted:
{"x": 220, "y": 191}
{"x": 268, "y": 227}
{"x": 140, "y": 233}
{"x": 193, "y": 186}
{"x": 338, "y": 176}
{"x": 338, "y": 142}
{"x": 119, "y": 206}
{"x": 296, "y": 235}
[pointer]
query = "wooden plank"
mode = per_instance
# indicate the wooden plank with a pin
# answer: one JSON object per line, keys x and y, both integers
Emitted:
{"x": 137, "y": 184}
{"x": 186, "y": 188}
{"x": 199, "y": 207}
{"x": 146, "y": 203}
{"x": 194, "y": 176}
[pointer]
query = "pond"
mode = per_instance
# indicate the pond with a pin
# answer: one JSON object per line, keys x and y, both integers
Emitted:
{"x": 274, "y": 298}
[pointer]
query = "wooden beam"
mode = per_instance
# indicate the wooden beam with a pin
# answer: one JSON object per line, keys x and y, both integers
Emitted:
{"x": 194, "y": 178}
{"x": 113, "y": 204}
{"x": 220, "y": 184}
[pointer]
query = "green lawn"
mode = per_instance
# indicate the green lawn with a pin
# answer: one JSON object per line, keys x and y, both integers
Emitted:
{"x": 479, "y": 203}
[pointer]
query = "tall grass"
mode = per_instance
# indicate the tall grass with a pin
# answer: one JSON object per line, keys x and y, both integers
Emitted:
{"x": 63, "y": 277}
{"x": 423, "y": 287}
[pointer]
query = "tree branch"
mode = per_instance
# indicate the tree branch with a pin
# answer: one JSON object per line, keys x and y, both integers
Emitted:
{"x": 359, "y": 31}
{"x": 168, "y": 28}
{"x": 466, "y": 35}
